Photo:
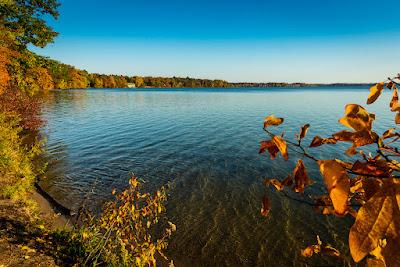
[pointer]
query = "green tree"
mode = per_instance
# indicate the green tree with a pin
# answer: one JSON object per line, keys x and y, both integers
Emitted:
{"x": 25, "y": 19}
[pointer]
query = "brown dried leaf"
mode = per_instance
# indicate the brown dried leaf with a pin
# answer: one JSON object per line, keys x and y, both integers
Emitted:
{"x": 359, "y": 138}
{"x": 330, "y": 251}
{"x": 281, "y": 144}
{"x": 367, "y": 186}
{"x": 266, "y": 206}
{"x": 394, "y": 103}
{"x": 317, "y": 141}
{"x": 389, "y": 133}
{"x": 277, "y": 184}
{"x": 372, "y": 167}
{"x": 390, "y": 252}
{"x": 309, "y": 251}
{"x": 288, "y": 181}
{"x": 272, "y": 120}
{"x": 301, "y": 179}
{"x": 344, "y": 136}
{"x": 357, "y": 118}
{"x": 320, "y": 248}
{"x": 378, "y": 219}
{"x": 337, "y": 182}
{"x": 375, "y": 92}
{"x": 391, "y": 85}
{"x": 304, "y": 130}
{"x": 372, "y": 262}
{"x": 271, "y": 147}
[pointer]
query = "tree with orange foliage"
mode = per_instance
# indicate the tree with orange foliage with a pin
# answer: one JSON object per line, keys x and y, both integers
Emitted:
{"x": 367, "y": 188}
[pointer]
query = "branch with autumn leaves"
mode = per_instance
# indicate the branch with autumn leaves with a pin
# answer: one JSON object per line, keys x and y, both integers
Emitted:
{"x": 367, "y": 188}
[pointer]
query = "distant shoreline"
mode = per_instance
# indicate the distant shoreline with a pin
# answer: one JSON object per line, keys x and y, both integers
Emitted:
{"x": 235, "y": 86}
{"x": 294, "y": 85}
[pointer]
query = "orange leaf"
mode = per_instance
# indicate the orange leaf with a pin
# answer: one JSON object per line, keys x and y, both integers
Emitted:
{"x": 377, "y": 219}
{"x": 304, "y": 130}
{"x": 375, "y": 92}
{"x": 278, "y": 185}
{"x": 281, "y": 144}
{"x": 318, "y": 141}
{"x": 367, "y": 186}
{"x": 357, "y": 118}
{"x": 359, "y": 138}
{"x": 337, "y": 182}
{"x": 266, "y": 206}
{"x": 301, "y": 178}
{"x": 272, "y": 120}
{"x": 394, "y": 103}
{"x": 320, "y": 248}
{"x": 372, "y": 167}
{"x": 308, "y": 251}
{"x": 271, "y": 147}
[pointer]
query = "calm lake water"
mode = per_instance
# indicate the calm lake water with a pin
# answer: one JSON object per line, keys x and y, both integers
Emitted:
{"x": 204, "y": 143}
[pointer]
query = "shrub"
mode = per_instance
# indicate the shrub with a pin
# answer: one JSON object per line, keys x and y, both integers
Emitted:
{"x": 17, "y": 172}
{"x": 124, "y": 234}
{"x": 21, "y": 108}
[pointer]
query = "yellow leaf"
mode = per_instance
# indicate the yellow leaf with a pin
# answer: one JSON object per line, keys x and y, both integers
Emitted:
{"x": 272, "y": 120}
{"x": 357, "y": 118}
{"x": 281, "y": 144}
{"x": 377, "y": 219}
{"x": 337, "y": 182}
{"x": 375, "y": 92}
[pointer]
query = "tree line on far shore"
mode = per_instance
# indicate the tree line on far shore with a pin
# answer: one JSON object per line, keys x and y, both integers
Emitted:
{"x": 63, "y": 76}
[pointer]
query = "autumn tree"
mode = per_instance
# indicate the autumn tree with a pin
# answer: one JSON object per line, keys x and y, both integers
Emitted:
{"x": 367, "y": 187}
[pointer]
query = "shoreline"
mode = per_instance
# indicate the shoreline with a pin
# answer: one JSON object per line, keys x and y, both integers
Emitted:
{"x": 47, "y": 211}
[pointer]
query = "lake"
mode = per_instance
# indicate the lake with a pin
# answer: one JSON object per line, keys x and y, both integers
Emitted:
{"x": 203, "y": 143}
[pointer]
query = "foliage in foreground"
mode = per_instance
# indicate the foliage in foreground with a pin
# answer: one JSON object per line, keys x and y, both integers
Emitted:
{"x": 367, "y": 188}
{"x": 129, "y": 231}
{"x": 17, "y": 172}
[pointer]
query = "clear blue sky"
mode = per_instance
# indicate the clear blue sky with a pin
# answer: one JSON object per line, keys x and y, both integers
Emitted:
{"x": 246, "y": 40}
